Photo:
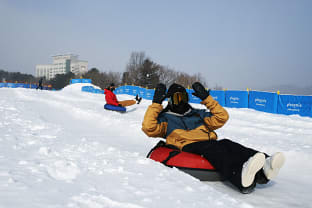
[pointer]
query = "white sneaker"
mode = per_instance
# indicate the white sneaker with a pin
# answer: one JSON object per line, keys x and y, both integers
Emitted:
{"x": 273, "y": 164}
{"x": 251, "y": 167}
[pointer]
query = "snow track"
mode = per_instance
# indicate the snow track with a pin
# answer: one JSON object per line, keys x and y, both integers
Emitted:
{"x": 62, "y": 149}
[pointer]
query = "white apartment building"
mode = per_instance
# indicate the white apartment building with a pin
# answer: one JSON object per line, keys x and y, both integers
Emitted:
{"x": 61, "y": 65}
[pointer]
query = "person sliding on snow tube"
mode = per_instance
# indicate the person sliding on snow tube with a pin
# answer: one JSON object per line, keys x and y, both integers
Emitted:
{"x": 111, "y": 98}
{"x": 192, "y": 130}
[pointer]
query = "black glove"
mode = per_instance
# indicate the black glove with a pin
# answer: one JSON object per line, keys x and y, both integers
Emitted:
{"x": 119, "y": 105}
{"x": 200, "y": 91}
{"x": 160, "y": 93}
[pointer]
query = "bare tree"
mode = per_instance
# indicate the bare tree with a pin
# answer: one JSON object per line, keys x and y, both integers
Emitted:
{"x": 142, "y": 71}
{"x": 167, "y": 76}
{"x": 103, "y": 79}
{"x": 131, "y": 76}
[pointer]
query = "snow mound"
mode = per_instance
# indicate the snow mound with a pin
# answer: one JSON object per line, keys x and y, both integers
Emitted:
{"x": 77, "y": 87}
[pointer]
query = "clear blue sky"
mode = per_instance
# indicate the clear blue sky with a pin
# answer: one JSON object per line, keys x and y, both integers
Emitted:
{"x": 235, "y": 43}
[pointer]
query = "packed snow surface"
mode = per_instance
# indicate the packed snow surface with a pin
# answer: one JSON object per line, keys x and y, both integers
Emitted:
{"x": 62, "y": 149}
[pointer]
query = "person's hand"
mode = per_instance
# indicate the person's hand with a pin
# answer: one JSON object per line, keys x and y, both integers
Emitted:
{"x": 160, "y": 93}
{"x": 200, "y": 91}
{"x": 119, "y": 105}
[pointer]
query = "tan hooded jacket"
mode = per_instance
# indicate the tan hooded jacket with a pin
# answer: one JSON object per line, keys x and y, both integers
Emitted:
{"x": 179, "y": 130}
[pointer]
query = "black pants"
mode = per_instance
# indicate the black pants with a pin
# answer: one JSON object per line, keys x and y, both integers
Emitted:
{"x": 227, "y": 157}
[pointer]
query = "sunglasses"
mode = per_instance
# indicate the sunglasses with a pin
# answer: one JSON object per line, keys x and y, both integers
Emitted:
{"x": 178, "y": 97}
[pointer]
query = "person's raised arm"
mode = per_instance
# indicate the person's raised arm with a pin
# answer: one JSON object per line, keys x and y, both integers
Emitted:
{"x": 151, "y": 126}
{"x": 219, "y": 115}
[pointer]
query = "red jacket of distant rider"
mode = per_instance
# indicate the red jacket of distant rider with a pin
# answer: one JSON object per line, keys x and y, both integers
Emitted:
{"x": 110, "y": 98}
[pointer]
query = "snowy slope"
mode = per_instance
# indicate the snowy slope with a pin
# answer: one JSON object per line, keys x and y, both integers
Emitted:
{"x": 62, "y": 149}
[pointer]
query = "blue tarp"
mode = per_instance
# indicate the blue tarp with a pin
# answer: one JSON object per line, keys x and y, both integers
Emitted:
{"x": 263, "y": 101}
{"x": 293, "y": 104}
{"x": 236, "y": 99}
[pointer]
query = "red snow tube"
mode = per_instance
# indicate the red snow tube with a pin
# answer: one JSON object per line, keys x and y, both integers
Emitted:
{"x": 192, "y": 164}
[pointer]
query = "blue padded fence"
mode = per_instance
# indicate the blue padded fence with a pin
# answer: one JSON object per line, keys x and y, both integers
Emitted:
{"x": 262, "y": 101}
{"x": 22, "y": 85}
{"x": 91, "y": 89}
{"x": 236, "y": 99}
{"x": 73, "y": 81}
{"x": 291, "y": 104}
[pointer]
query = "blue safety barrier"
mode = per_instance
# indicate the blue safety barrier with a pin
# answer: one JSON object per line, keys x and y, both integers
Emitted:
{"x": 11, "y": 85}
{"x": 74, "y": 81}
{"x": 263, "y": 101}
{"x": 236, "y": 99}
{"x": 3, "y": 84}
{"x": 218, "y": 95}
{"x": 134, "y": 90}
{"x": 86, "y": 81}
{"x": 192, "y": 98}
{"x": 94, "y": 90}
{"x": 91, "y": 89}
{"x": 22, "y": 85}
{"x": 127, "y": 90}
{"x": 142, "y": 92}
{"x": 292, "y": 104}
{"x": 99, "y": 91}
{"x": 120, "y": 90}
{"x": 149, "y": 94}
{"x": 87, "y": 88}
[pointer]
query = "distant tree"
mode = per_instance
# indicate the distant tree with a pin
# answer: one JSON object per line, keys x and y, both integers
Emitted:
{"x": 61, "y": 80}
{"x": 132, "y": 74}
{"x": 125, "y": 78}
{"x": 94, "y": 75}
{"x": 102, "y": 79}
{"x": 148, "y": 74}
{"x": 110, "y": 77}
{"x": 144, "y": 72}
{"x": 187, "y": 80}
{"x": 17, "y": 77}
{"x": 167, "y": 76}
